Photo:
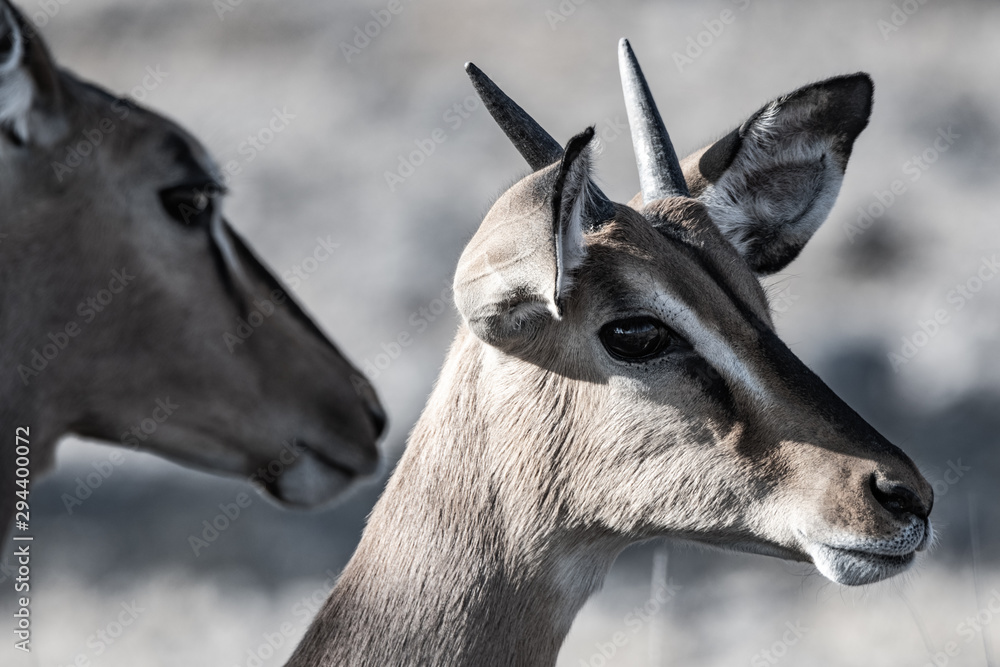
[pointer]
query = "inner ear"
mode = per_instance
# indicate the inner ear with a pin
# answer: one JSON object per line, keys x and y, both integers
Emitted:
{"x": 516, "y": 271}
{"x": 786, "y": 205}
{"x": 569, "y": 206}
{"x": 30, "y": 92}
{"x": 769, "y": 184}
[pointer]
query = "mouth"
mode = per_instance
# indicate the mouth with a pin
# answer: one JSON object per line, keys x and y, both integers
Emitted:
{"x": 313, "y": 478}
{"x": 854, "y": 567}
{"x": 859, "y": 561}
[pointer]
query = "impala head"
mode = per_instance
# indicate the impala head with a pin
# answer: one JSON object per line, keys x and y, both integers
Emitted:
{"x": 635, "y": 345}
{"x": 113, "y": 223}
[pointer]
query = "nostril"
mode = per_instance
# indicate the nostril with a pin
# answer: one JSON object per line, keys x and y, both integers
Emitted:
{"x": 898, "y": 499}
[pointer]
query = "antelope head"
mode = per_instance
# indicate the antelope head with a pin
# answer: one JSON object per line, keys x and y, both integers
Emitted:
{"x": 631, "y": 350}
{"x": 123, "y": 284}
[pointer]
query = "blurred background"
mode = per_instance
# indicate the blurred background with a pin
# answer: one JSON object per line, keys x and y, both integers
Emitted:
{"x": 863, "y": 289}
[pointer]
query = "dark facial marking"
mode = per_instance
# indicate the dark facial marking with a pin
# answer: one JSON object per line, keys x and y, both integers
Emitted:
{"x": 712, "y": 384}
{"x": 682, "y": 241}
{"x": 774, "y": 259}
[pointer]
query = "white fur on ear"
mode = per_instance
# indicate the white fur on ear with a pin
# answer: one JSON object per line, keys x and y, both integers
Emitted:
{"x": 570, "y": 250}
{"x": 515, "y": 272}
{"x": 11, "y": 32}
{"x": 16, "y": 88}
{"x": 779, "y": 187}
{"x": 771, "y": 183}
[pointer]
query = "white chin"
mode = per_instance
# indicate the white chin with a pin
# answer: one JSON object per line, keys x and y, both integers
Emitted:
{"x": 310, "y": 482}
{"x": 857, "y": 568}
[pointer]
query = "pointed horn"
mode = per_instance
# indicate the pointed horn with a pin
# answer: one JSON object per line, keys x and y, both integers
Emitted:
{"x": 534, "y": 144}
{"x": 659, "y": 169}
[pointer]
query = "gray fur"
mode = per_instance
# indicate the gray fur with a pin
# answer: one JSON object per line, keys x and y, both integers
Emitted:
{"x": 162, "y": 335}
{"x": 540, "y": 456}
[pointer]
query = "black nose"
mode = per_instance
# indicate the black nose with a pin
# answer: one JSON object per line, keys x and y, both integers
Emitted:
{"x": 378, "y": 417}
{"x": 898, "y": 499}
{"x": 369, "y": 399}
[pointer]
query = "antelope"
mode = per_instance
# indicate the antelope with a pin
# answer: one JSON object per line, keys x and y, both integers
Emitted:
{"x": 132, "y": 312}
{"x": 616, "y": 377}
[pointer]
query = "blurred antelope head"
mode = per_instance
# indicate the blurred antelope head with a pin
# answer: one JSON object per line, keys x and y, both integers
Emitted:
{"x": 127, "y": 297}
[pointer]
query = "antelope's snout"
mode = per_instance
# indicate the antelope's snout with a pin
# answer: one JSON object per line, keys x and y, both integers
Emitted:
{"x": 314, "y": 401}
{"x": 314, "y": 477}
{"x": 870, "y": 520}
{"x": 856, "y": 505}
{"x": 316, "y": 468}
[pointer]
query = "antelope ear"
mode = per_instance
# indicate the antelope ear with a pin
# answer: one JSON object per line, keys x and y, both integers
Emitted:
{"x": 30, "y": 95}
{"x": 515, "y": 272}
{"x": 771, "y": 182}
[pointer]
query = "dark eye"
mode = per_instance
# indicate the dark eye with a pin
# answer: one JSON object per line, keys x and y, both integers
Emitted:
{"x": 190, "y": 205}
{"x": 639, "y": 338}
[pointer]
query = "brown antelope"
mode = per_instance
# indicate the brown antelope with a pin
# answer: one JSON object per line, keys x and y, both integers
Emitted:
{"x": 126, "y": 300}
{"x": 617, "y": 377}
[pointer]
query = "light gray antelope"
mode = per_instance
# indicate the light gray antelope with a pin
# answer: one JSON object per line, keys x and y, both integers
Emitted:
{"x": 130, "y": 311}
{"x": 617, "y": 377}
